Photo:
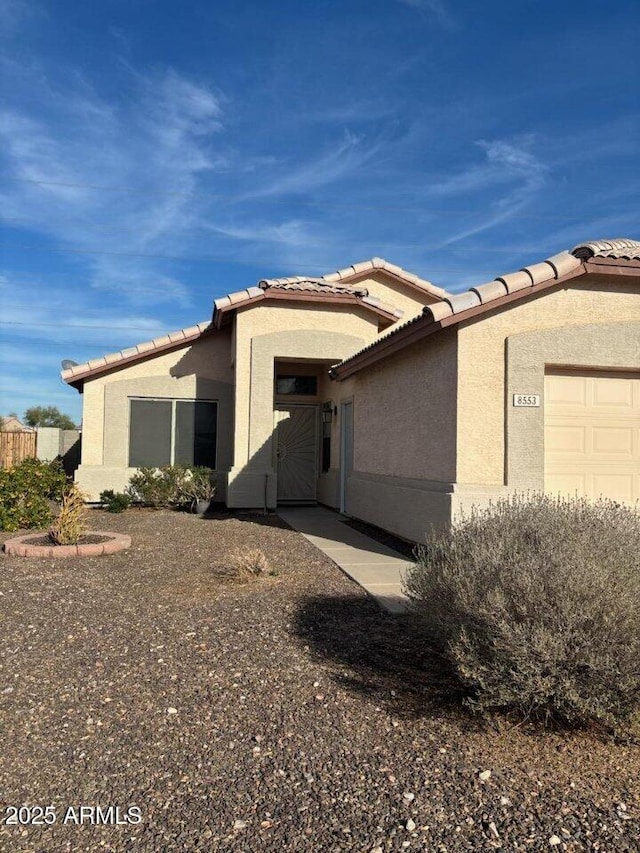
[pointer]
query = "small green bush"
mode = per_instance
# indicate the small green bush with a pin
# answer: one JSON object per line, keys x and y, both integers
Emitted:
{"x": 535, "y": 602}
{"x": 115, "y": 501}
{"x": 157, "y": 487}
{"x": 26, "y": 491}
{"x": 171, "y": 485}
{"x": 71, "y": 522}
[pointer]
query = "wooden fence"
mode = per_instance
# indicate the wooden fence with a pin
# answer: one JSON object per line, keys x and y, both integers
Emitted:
{"x": 16, "y": 446}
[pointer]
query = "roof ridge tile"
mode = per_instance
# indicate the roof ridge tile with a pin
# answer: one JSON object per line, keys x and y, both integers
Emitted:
{"x": 619, "y": 247}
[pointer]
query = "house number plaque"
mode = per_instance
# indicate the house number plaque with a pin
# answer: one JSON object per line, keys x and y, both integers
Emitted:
{"x": 526, "y": 400}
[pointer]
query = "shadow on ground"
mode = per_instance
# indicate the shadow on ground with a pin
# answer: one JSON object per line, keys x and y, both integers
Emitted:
{"x": 219, "y": 512}
{"x": 376, "y": 653}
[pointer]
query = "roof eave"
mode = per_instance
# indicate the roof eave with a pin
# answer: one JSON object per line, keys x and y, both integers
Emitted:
{"x": 77, "y": 380}
{"x": 225, "y": 313}
{"x": 613, "y": 266}
{"x": 424, "y": 325}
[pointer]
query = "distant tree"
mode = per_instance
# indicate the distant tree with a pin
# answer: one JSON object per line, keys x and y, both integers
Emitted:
{"x": 47, "y": 416}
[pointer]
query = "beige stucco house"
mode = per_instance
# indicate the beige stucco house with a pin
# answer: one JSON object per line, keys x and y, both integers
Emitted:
{"x": 372, "y": 391}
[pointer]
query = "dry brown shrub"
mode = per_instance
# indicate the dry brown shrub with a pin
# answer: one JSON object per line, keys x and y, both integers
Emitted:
{"x": 249, "y": 562}
{"x": 535, "y": 601}
{"x": 72, "y": 520}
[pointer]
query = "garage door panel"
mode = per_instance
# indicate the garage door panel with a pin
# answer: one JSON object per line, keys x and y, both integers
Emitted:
{"x": 592, "y": 435}
{"x": 614, "y": 440}
{"x": 561, "y": 439}
{"x": 613, "y": 394}
{"x": 618, "y": 487}
{"x": 564, "y": 393}
{"x": 566, "y": 484}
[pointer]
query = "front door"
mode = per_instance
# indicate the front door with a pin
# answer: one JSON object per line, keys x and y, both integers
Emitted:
{"x": 297, "y": 453}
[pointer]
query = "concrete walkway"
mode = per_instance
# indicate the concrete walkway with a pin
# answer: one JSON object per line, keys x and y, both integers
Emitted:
{"x": 378, "y": 569}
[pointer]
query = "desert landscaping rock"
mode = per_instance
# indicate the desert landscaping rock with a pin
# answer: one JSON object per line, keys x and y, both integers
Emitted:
{"x": 305, "y": 713}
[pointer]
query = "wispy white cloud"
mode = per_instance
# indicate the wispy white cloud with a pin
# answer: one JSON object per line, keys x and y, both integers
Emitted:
{"x": 354, "y": 111}
{"x": 435, "y": 8}
{"x": 158, "y": 141}
{"x": 56, "y": 314}
{"x": 164, "y": 153}
{"x": 506, "y": 161}
{"x": 344, "y": 158}
{"x": 509, "y": 163}
{"x": 15, "y": 13}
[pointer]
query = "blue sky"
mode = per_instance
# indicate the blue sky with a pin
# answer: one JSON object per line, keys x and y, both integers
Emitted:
{"x": 156, "y": 155}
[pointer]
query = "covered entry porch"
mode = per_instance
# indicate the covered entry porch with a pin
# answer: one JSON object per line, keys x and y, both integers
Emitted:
{"x": 302, "y": 416}
{"x": 287, "y": 451}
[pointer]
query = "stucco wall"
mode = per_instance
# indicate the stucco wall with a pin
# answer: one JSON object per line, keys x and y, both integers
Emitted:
{"x": 404, "y": 412}
{"x": 202, "y": 370}
{"x": 435, "y": 430}
{"x": 408, "y": 299}
{"x": 484, "y": 353}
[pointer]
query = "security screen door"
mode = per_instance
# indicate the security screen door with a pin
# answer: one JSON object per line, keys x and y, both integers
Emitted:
{"x": 297, "y": 453}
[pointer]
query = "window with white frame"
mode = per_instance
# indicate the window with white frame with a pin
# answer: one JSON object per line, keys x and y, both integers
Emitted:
{"x": 172, "y": 432}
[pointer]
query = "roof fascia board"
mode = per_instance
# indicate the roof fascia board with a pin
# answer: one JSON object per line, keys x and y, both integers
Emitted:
{"x": 272, "y": 294}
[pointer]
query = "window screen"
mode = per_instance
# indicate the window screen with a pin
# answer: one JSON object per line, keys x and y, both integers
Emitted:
{"x": 150, "y": 433}
{"x": 195, "y": 436}
{"x": 190, "y": 423}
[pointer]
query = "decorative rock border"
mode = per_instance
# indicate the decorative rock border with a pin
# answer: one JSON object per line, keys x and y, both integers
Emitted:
{"x": 19, "y": 546}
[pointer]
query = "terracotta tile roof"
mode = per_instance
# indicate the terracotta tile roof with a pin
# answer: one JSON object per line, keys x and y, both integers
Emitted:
{"x": 622, "y": 248}
{"x": 343, "y": 282}
{"x": 454, "y": 307}
{"x": 367, "y": 267}
{"x": 224, "y": 307}
{"x": 305, "y": 287}
{"x": 309, "y": 285}
{"x": 115, "y": 359}
{"x": 333, "y": 286}
{"x": 355, "y": 271}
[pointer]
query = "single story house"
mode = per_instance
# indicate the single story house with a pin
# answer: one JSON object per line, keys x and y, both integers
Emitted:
{"x": 12, "y": 423}
{"x": 373, "y": 391}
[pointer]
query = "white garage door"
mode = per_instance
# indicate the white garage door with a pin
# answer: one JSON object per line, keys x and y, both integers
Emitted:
{"x": 592, "y": 434}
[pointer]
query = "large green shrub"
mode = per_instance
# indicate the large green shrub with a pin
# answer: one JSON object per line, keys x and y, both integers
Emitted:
{"x": 536, "y": 603}
{"x": 26, "y": 491}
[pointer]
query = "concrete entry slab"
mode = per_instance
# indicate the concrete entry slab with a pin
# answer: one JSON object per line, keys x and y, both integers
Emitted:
{"x": 379, "y": 570}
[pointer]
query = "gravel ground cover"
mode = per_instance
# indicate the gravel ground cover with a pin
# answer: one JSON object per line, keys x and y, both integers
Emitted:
{"x": 285, "y": 714}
